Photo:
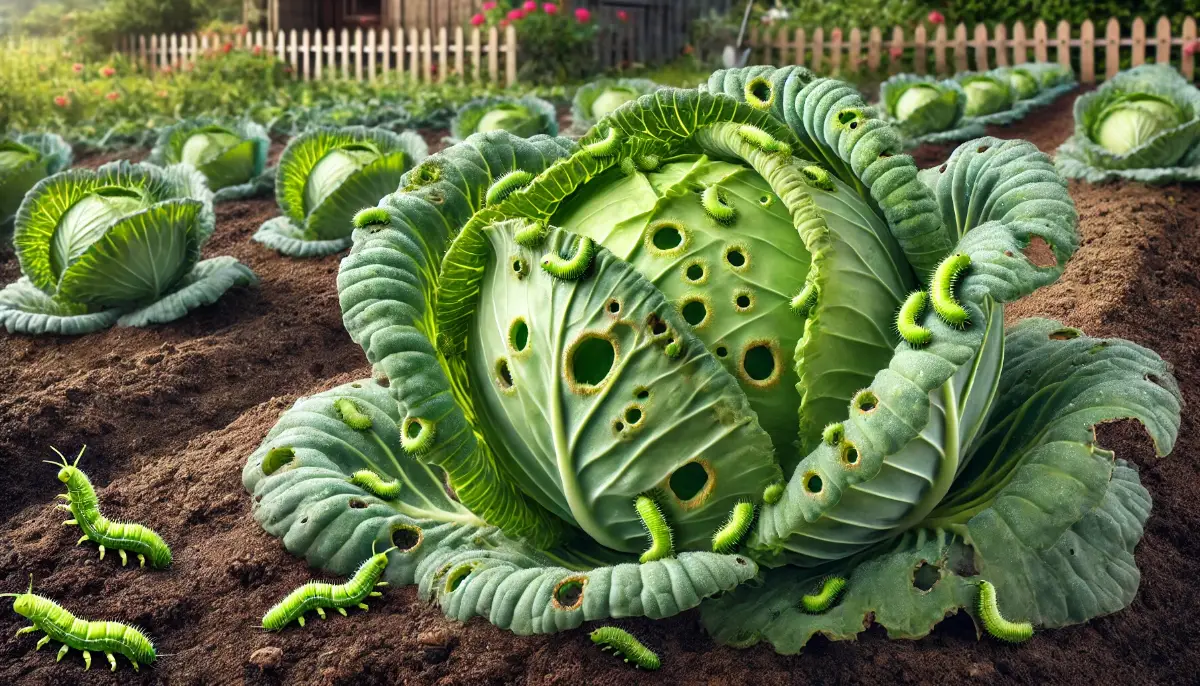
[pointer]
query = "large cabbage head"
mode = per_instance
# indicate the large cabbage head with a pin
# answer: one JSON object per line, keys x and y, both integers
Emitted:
{"x": 987, "y": 94}
{"x": 1143, "y": 124}
{"x": 714, "y": 305}
{"x": 596, "y": 100}
{"x": 327, "y": 175}
{"x": 1024, "y": 83}
{"x": 120, "y": 244}
{"x": 522, "y": 117}
{"x": 25, "y": 160}
{"x": 922, "y": 106}
{"x": 232, "y": 156}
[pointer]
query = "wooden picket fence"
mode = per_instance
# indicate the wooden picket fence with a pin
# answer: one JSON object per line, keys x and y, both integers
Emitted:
{"x": 839, "y": 51}
{"x": 424, "y": 56}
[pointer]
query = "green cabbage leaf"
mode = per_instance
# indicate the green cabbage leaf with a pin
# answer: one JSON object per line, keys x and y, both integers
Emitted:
{"x": 232, "y": 156}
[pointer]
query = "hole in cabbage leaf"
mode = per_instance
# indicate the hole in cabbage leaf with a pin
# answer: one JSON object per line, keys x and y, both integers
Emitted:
{"x": 722, "y": 351}
{"x": 761, "y": 90}
{"x": 614, "y": 306}
{"x": 759, "y": 362}
{"x": 981, "y": 149}
{"x": 695, "y": 272}
{"x": 694, "y": 312}
{"x": 642, "y": 393}
{"x": 766, "y": 200}
{"x": 926, "y": 576}
{"x": 355, "y": 385}
{"x": 849, "y": 453}
{"x": 406, "y": 537}
{"x": 591, "y": 359}
{"x": 633, "y": 415}
{"x": 357, "y": 503}
{"x": 735, "y": 257}
{"x": 657, "y": 326}
{"x": 503, "y": 374}
{"x": 568, "y": 595}
{"x": 304, "y": 520}
{"x": 942, "y": 169}
{"x": 742, "y": 301}
{"x": 847, "y": 116}
{"x": 813, "y": 483}
{"x": 457, "y": 576}
{"x": 740, "y": 560}
{"x": 518, "y": 334}
{"x": 383, "y": 381}
{"x": 1039, "y": 253}
{"x": 667, "y": 237}
{"x": 618, "y": 426}
{"x": 865, "y": 401}
{"x": 688, "y": 481}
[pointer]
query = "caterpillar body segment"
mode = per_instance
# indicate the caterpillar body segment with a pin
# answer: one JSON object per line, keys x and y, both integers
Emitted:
{"x": 319, "y": 596}
{"x": 82, "y": 502}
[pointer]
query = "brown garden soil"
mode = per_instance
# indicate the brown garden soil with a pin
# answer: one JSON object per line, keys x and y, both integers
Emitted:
{"x": 170, "y": 414}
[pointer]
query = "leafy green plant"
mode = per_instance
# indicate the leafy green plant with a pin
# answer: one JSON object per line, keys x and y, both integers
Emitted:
{"x": 927, "y": 110}
{"x": 1039, "y": 83}
{"x": 118, "y": 245}
{"x": 990, "y": 97}
{"x": 1142, "y": 125}
{"x": 25, "y": 160}
{"x": 327, "y": 175}
{"x": 695, "y": 308}
{"x": 522, "y": 117}
{"x": 596, "y": 100}
{"x": 231, "y": 156}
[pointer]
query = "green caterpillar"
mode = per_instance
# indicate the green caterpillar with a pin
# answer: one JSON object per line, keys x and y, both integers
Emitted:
{"x": 773, "y": 492}
{"x": 120, "y": 536}
{"x": 726, "y": 538}
{"x": 832, "y": 588}
{"x": 717, "y": 207}
{"x": 622, "y": 642}
{"x": 376, "y": 484}
{"x": 995, "y": 623}
{"x": 316, "y": 595}
{"x": 906, "y": 321}
{"x": 351, "y": 414}
{"x": 941, "y": 289}
{"x": 805, "y": 300}
{"x": 661, "y": 539}
{"x": 605, "y": 147}
{"x": 506, "y": 185}
{"x": 573, "y": 267}
{"x": 110, "y": 638}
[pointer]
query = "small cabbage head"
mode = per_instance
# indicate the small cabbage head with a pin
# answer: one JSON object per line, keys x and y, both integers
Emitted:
{"x": 117, "y": 245}
{"x": 1143, "y": 124}
{"x": 232, "y": 156}
{"x": 741, "y": 296}
{"x": 922, "y": 106}
{"x": 24, "y": 161}
{"x": 598, "y": 99}
{"x": 522, "y": 117}
{"x": 326, "y": 176}
{"x": 987, "y": 94}
{"x": 1024, "y": 83}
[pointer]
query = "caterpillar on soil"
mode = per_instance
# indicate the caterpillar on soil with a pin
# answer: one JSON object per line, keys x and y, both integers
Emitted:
{"x": 624, "y": 643}
{"x": 316, "y": 595}
{"x": 995, "y": 623}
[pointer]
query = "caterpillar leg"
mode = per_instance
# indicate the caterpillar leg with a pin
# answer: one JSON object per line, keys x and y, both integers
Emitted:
{"x": 64, "y": 496}
{"x": 87, "y": 660}
{"x": 141, "y": 559}
{"x": 112, "y": 660}
{"x": 320, "y": 612}
{"x": 81, "y": 539}
{"x": 375, "y": 594}
{"x": 135, "y": 665}
{"x": 343, "y": 611}
{"x": 62, "y": 506}
{"x": 44, "y": 641}
{"x": 26, "y": 630}
{"x": 124, "y": 558}
{"x": 62, "y": 651}
{"x": 70, "y": 522}
{"x": 381, "y": 583}
{"x": 101, "y": 552}
{"x": 364, "y": 606}
{"x": 301, "y": 620}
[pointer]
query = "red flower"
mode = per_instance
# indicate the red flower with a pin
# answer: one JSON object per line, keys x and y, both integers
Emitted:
{"x": 61, "y": 101}
{"x": 582, "y": 15}
{"x": 896, "y": 52}
{"x": 77, "y": 67}
{"x": 226, "y": 48}
{"x": 256, "y": 50}
{"x": 529, "y": 6}
{"x": 113, "y": 96}
{"x": 478, "y": 20}
{"x": 1191, "y": 47}
{"x": 550, "y": 8}
{"x": 836, "y": 34}
{"x": 516, "y": 15}
{"x": 107, "y": 72}
{"x": 935, "y": 17}
{"x": 504, "y": 23}
{"x": 622, "y": 15}
{"x": 488, "y": 6}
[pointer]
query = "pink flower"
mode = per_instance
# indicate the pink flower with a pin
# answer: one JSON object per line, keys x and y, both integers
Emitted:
{"x": 622, "y": 15}
{"x": 107, "y": 72}
{"x": 488, "y": 6}
{"x": 77, "y": 67}
{"x": 226, "y": 48}
{"x": 550, "y": 8}
{"x": 61, "y": 101}
{"x": 504, "y": 23}
{"x": 529, "y": 6}
{"x": 476, "y": 20}
{"x": 516, "y": 15}
{"x": 935, "y": 17}
{"x": 256, "y": 50}
{"x": 582, "y": 15}
{"x": 896, "y": 52}
{"x": 113, "y": 96}
{"x": 836, "y": 34}
{"x": 1191, "y": 47}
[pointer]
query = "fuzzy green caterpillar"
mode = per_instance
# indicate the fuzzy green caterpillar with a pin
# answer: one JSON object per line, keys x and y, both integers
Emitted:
{"x": 120, "y": 536}
{"x": 726, "y": 538}
{"x": 351, "y": 414}
{"x": 941, "y": 289}
{"x": 375, "y": 484}
{"x": 662, "y": 542}
{"x": 624, "y": 643}
{"x": 507, "y": 185}
{"x": 605, "y": 147}
{"x": 832, "y": 588}
{"x": 995, "y": 623}
{"x": 573, "y": 267}
{"x": 717, "y": 206}
{"x": 110, "y": 638}
{"x": 316, "y": 595}
{"x": 906, "y": 321}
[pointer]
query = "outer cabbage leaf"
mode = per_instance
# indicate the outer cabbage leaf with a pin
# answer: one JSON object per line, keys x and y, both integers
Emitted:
{"x": 26, "y": 309}
{"x": 279, "y": 233}
{"x": 596, "y": 100}
{"x": 234, "y": 161}
{"x": 1167, "y": 156}
{"x": 524, "y": 117}
{"x": 1055, "y": 526}
{"x": 24, "y": 161}
{"x": 309, "y": 501}
{"x": 203, "y": 285}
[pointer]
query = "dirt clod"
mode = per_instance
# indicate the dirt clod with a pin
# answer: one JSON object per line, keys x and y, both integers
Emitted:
{"x": 267, "y": 658}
